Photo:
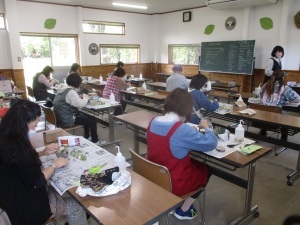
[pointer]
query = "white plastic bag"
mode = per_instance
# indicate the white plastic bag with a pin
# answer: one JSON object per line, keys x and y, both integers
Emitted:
{"x": 123, "y": 182}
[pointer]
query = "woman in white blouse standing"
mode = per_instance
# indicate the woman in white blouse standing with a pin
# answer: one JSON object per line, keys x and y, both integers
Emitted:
{"x": 274, "y": 63}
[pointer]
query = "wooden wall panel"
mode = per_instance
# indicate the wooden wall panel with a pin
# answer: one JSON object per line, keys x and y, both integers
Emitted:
{"x": 147, "y": 69}
{"x": 17, "y": 76}
{"x": 19, "y": 79}
{"x": 8, "y": 73}
{"x": 247, "y": 82}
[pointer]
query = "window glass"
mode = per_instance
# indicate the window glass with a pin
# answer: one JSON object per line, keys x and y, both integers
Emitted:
{"x": 184, "y": 54}
{"x": 63, "y": 51}
{"x": 111, "y": 54}
{"x": 39, "y": 51}
{"x": 103, "y": 27}
{"x": 2, "y": 22}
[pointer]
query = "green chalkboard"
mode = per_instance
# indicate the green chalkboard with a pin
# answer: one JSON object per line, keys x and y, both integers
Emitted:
{"x": 227, "y": 57}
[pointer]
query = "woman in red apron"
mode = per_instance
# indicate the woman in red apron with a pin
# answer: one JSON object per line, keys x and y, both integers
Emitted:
{"x": 169, "y": 142}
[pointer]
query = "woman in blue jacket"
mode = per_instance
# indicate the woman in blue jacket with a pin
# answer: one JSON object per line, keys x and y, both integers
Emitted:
{"x": 200, "y": 99}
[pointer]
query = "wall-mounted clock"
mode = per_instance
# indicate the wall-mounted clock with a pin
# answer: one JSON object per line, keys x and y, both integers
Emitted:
{"x": 230, "y": 23}
{"x": 187, "y": 16}
{"x": 93, "y": 49}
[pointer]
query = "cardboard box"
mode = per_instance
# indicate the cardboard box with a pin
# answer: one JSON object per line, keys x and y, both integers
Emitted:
{"x": 140, "y": 90}
{"x": 5, "y": 86}
{"x": 236, "y": 108}
{"x": 51, "y": 135}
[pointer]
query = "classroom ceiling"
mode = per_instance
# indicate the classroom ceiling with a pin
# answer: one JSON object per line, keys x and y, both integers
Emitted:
{"x": 154, "y": 6}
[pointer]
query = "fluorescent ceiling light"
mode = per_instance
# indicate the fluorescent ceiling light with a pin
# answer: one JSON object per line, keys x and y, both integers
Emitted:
{"x": 129, "y": 5}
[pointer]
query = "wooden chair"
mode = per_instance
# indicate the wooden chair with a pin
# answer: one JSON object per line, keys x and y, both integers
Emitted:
{"x": 51, "y": 221}
{"x": 30, "y": 96}
{"x": 269, "y": 108}
{"x": 30, "y": 92}
{"x": 51, "y": 119}
{"x": 160, "y": 175}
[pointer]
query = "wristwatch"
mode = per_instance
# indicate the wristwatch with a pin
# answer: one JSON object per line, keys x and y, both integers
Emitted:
{"x": 53, "y": 165}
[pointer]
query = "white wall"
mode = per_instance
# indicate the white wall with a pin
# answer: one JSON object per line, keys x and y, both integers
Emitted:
{"x": 31, "y": 17}
{"x": 5, "y": 55}
{"x": 173, "y": 31}
{"x": 138, "y": 30}
{"x": 155, "y": 32}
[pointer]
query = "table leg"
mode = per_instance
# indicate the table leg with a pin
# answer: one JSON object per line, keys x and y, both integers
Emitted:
{"x": 136, "y": 141}
{"x": 294, "y": 175}
{"x": 111, "y": 124}
{"x": 248, "y": 211}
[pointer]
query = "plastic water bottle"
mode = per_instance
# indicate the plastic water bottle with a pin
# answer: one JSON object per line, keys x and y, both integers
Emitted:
{"x": 112, "y": 98}
{"x": 101, "y": 78}
{"x": 239, "y": 132}
{"x": 144, "y": 85}
{"x": 119, "y": 160}
{"x": 208, "y": 85}
{"x": 141, "y": 76}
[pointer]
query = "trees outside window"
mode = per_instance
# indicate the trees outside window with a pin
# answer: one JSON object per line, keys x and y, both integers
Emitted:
{"x": 184, "y": 54}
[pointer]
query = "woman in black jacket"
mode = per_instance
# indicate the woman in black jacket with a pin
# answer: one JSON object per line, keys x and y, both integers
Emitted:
{"x": 24, "y": 194}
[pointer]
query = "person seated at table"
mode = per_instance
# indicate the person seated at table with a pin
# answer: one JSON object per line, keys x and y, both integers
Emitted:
{"x": 114, "y": 84}
{"x": 177, "y": 80}
{"x": 75, "y": 68}
{"x": 200, "y": 99}
{"x": 41, "y": 83}
{"x": 275, "y": 92}
{"x": 24, "y": 195}
{"x": 66, "y": 105}
{"x": 119, "y": 64}
{"x": 169, "y": 142}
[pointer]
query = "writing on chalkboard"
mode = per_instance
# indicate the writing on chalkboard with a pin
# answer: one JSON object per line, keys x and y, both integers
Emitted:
{"x": 227, "y": 56}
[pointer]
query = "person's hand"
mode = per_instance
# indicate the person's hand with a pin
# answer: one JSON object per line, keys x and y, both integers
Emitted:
{"x": 85, "y": 96}
{"x": 60, "y": 162}
{"x": 50, "y": 149}
{"x": 203, "y": 124}
{"x": 99, "y": 93}
{"x": 216, "y": 98}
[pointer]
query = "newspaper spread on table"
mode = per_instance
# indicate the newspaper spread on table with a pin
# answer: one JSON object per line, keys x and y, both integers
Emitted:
{"x": 101, "y": 103}
{"x": 222, "y": 141}
{"x": 228, "y": 150}
{"x": 81, "y": 158}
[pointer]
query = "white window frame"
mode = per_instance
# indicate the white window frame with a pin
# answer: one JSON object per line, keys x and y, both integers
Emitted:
{"x": 102, "y": 24}
{"x": 120, "y": 46}
{"x": 2, "y": 25}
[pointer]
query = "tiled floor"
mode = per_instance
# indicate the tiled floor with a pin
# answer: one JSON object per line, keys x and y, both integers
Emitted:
{"x": 225, "y": 201}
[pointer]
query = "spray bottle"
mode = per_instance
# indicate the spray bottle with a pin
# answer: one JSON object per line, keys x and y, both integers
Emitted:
{"x": 240, "y": 99}
{"x": 112, "y": 98}
{"x": 119, "y": 160}
{"x": 239, "y": 132}
{"x": 144, "y": 85}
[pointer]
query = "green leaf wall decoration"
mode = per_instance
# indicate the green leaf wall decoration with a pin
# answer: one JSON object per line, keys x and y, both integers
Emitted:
{"x": 49, "y": 23}
{"x": 266, "y": 23}
{"x": 209, "y": 29}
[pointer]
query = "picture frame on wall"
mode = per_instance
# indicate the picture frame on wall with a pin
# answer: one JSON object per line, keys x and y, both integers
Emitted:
{"x": 187, "y": 16}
